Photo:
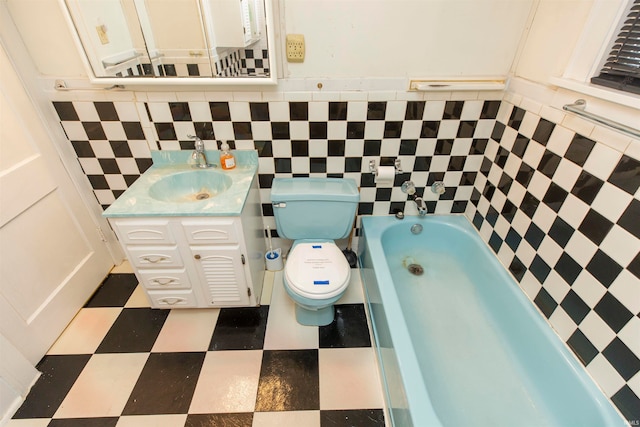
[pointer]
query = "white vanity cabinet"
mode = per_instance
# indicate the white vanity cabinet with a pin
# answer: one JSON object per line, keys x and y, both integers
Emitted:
{"x": 188, "y": 262}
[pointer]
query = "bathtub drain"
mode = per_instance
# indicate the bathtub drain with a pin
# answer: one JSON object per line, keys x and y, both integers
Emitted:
{"x": 202, "y": 196}
{"x": 415, "y": 269}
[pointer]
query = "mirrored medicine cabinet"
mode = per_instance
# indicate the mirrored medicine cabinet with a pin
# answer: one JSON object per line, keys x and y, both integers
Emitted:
{"x": 175, "y": 42}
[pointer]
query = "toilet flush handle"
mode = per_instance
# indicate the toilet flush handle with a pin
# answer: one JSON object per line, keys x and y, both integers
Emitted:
{"x": 280, "y": 205}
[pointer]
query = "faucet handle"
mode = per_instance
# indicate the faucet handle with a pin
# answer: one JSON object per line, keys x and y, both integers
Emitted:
{"x": 438, "y": 187}
{"x": 408, "y": 187}
{"x": 199, "y": 142}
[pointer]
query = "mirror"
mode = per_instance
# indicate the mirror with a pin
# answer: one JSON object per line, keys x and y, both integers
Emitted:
{"x": 185, "y": 41}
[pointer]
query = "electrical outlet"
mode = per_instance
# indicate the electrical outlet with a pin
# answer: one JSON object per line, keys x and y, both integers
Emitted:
{"x": 295, "y": 48}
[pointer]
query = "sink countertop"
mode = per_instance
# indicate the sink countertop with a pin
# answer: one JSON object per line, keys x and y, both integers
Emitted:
{"x": 136, "y": 201}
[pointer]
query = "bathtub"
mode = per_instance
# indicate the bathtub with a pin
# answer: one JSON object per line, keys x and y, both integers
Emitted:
{"x": 460, "y": 344}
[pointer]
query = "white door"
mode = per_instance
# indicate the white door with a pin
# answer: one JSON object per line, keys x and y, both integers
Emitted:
{"x": 52, "y": 257}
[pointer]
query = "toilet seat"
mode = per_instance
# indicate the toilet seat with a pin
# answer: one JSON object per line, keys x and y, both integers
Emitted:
{"x": 317, "y": 270}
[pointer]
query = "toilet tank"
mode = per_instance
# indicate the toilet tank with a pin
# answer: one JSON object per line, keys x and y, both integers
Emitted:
{"x": 314, "y": 208}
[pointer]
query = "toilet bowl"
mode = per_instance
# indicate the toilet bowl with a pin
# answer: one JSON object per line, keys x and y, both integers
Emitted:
{"x": 314, "y": 212}
{"x": 316, "y": 275}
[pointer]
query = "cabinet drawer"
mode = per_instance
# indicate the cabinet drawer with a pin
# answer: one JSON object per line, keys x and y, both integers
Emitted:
{"x": 172, "y": 299}
{"x": 165, "y": 279}
{"x": 210, "y": 231}
{"x": 144, "y": 231}
{"x": 153, "y": 257}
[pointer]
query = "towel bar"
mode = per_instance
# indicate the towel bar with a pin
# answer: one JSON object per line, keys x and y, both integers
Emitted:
{"x": 578, "y": 108}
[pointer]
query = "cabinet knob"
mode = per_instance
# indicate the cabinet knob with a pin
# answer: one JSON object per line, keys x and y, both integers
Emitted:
{"x": 197, "y": 256}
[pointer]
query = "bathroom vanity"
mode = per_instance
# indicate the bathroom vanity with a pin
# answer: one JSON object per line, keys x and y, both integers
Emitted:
{"x": 194, "y": 237}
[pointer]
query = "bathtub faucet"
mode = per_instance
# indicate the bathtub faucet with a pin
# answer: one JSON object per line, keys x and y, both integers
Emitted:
{"x": 422, "y": 206}
{"x": 410, "y": 188}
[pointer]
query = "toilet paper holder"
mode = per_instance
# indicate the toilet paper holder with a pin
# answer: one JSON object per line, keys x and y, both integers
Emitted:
{"x": 373, "y": 168}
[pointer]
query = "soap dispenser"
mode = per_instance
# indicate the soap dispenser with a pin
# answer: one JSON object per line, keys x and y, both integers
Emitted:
{"x": 227, "y": 161}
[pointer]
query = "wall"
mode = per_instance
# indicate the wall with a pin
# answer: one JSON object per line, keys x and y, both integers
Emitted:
{"x": 552, "y": 38}
{"x": 438, "y": 140}
{"x": 344, "y": 39}
{"x": 53, "y": 50}
{"x": 172, "y": 26}
{"x": 561, "y": 210}
{"x": 116, "y": 30}
{"x": 555, "y": 197}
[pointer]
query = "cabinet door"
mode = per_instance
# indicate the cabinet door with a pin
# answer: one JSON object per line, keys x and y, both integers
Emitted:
{"x": 221, "y": 271}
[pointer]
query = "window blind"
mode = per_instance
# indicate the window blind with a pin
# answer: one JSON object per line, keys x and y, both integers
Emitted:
{"x": 621, "y": 69}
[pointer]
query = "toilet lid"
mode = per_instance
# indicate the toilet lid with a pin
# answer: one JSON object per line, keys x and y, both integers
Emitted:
{"x": 317, "y": 270}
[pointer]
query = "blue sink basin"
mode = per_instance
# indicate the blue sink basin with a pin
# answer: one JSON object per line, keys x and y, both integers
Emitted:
{"x": 190, "y": 186}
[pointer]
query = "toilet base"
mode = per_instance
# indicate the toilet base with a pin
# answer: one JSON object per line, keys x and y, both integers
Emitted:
{"x": 316, "y": 317}
{"x": 313, "y": 312}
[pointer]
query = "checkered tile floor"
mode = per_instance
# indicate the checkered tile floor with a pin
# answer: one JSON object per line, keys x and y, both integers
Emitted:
{"x": 120, "y": 363}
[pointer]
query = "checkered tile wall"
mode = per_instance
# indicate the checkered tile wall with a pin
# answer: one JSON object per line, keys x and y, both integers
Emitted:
{"x": 110, "y": 143}
{"x": 561, "y": 211}
{"x": 237, "y": 63}
{"x": 243, "y": 62}
{"x": 435, "y": 141}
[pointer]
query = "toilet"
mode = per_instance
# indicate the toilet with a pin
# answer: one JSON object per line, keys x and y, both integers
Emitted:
{"x": 313, "y": 212}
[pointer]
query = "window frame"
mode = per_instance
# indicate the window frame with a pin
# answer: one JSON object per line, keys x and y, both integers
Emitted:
{"x": 599, "y": 78}
{"x": 593, "y": 46}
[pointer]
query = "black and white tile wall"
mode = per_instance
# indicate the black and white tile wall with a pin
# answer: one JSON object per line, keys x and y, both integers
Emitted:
{"x": 236, "y": 63}
{"x": 242, "y": 62}
{"x": 110, "y": 143}
{"x": 254, "y": 62}
{"x": 435, "y": 141}
{"x": 561, "y": 211}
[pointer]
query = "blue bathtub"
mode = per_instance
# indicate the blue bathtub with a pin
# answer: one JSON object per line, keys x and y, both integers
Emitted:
{"x": 459, "y": 343}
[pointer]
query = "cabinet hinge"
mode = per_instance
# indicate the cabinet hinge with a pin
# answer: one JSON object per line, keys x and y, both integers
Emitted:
{"x": 249, "y": 291}
{"x": 242, "y": 258}
{"x": 101, "y": 234}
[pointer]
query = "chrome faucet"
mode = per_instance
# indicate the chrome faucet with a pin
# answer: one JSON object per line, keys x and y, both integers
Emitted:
{"x": 410, "y": 188}
{"x": 198, "y": 155}
{"x": 422, "y": 206}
